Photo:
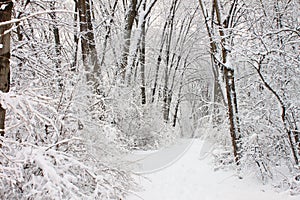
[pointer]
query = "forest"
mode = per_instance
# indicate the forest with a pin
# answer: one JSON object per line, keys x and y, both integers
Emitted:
{"x": 85, "y": 82}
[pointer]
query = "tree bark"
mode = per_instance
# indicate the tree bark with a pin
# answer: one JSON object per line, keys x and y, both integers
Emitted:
{"x": 81, "y": 5}
{"x": 92, "y": 42}
{"x": 221, "y": 68}
{"x": 129, "y": 19}
{"x": 217, "y": 95}
{"x": 179, "y": 93}
{"x": 58, "y": 46}
{"x": 141, "y": 32}
{"x": 159, "y": 62}
{"x": 76, "y": 39}
{"x": 108, "y": 31}
{"x": 232, "y": 112}
{"x": 5, "y": 15}
{"x": 88, "y": 44}
{"x": 167, "y": 93}
{"x": 228, "y": 76}
{"x": 143, "y": 58}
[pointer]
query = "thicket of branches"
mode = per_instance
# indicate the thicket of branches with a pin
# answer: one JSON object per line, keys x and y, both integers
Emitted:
{"x": 258, "y": 43}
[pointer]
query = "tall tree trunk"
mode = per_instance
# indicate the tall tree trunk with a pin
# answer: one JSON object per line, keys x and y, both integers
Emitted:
{"x": 93, "y": 55}
{"x": 177, "y": 54}
{"x": 167, "y": 93}
{"x": 81, "y": 5}
{"x": 5, "y": 15}
{"x": 129, "y": 19}
{"x": 159, "y": 62}
{"x": 228, "y": 76}
{"x": 162, "y": 43}
{"x": 179, "y": 93}
{"x": 220, "y": 68}
{"x": 217, "y": 95}
{"x": 88, "y": 44}
{"x": 108, "y": 32}
{"x": 141, "y": 32}
{"x": 58, "y": 46}
{"x": 76, "y": 39}
{"x": 232, "y": 112}
{"x": 143, "y": 57}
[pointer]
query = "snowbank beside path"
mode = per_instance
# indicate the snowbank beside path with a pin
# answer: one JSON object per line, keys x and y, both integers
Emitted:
{"x": 192, "y": 178}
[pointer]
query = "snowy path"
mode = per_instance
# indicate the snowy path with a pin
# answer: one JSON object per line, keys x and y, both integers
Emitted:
{"x": 191, "y": 178}
{"x": 151, "y": 162}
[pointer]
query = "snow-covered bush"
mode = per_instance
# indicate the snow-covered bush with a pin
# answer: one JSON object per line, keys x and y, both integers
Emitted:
{"x": 29, "y": 171}
{"x": 142, "y": 126}
{"x": 57, "y": 148}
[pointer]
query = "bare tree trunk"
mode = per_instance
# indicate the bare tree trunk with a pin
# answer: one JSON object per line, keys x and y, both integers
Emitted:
{"x": 159, "y": 58}
{"x": 76, "y": 39}
{"x": 295, "y": 131}
{"x": 221, "y": 69}
{"x": 165, "y": 95}
{"x": 217, "y": 95}
{"x": 143, "y": 15}
{"x": 57, "y": 44}
{"x": 142, "y": 58}
{"x": 179, "y": 93}
{"x": 232, "y": 112}
{"x": 167, "y": 98}
{"x": 129, "y": 19}
{"x": 96, "y": 71}
{"x": 5, "y": 15}
{"x": 81, "y": 5}
{"x": 228, "y": 75}
{"x": 56, "y": 35}
{"x": 158, "y": 62}
{"x": 88, "y": 44}
{"x": 181, "y": 39}
{"x": 108, "y": 32}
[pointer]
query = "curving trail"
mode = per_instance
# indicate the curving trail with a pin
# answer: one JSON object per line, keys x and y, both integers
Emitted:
{"x": 154, "y": 161}
{"x": 183, "y": 172}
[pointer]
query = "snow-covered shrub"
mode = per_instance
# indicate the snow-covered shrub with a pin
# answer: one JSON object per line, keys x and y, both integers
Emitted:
{"x": 142, "y": 126}
{"x": 29, "y": 171}
{"x": 47, "y": 153}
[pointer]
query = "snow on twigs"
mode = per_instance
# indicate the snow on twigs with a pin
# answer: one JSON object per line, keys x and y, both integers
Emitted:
{"x": 38, "y": 161}
{"x": 31, "y": 171}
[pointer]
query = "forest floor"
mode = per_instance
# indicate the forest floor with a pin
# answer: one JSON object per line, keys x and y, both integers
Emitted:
{"x": 185, "y": 171}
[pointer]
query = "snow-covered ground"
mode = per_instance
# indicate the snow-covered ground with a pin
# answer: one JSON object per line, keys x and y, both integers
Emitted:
{"x": 182, "y": 172}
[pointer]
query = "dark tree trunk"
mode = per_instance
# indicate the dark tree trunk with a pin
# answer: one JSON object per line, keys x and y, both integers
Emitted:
{"x": 232, "y": 112}
{"x": 158, "y": 65}
{"x": 88, "y": 44}
{"x": 220, "y": 68}
{"x": 143, "y": 57}
{"x": 57, "y": 44}
{"x": 5, "y": 15}
{"x": 108, "y": 32}
{"x": 92, "y": 42}
{"x": 167, "y": 93}
{"x": 142, "y": 62}
{"x": 76, "y": 39}
{"x": 179, "y": 95}
{"x": 129, "y": 19}
{"x": 81, "y": 5}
